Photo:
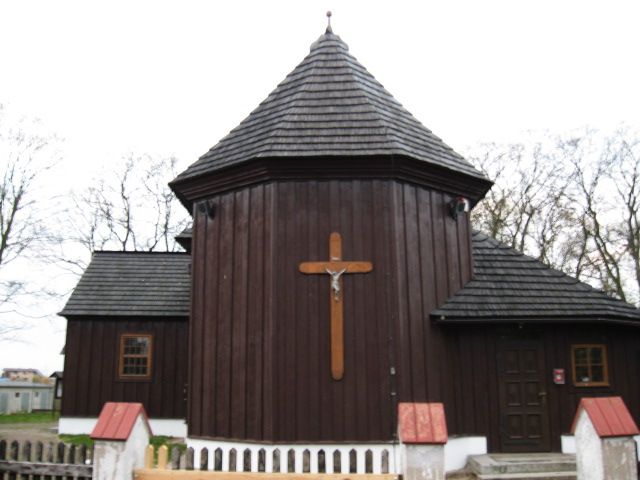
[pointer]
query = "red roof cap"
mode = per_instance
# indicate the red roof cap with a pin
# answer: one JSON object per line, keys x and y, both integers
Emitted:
{"x": 117, "y": 420}
{"x": 422, "y": 423}
{"x": 609, "y": 416}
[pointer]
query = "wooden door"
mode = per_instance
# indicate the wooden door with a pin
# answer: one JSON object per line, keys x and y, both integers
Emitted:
{"x": 524, "y": 418}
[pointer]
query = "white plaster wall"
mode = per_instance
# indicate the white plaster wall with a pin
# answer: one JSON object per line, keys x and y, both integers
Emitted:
{"x": 106, "y": 459}
{"x": 568, "y": 443}
{"x": 159, "y": 426}
{"x": 588, "y": 450}
{"x": 619, "y": 458}
{"x": 458, "y": 449}
{"x": 169, "y": 426}
{"x": 76, "y": 425}
{"x": 423, "y": 462}
{"x": 116, "y": 460}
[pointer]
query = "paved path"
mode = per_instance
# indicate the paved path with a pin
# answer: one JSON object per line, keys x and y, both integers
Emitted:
{"x": 43, "y": 432}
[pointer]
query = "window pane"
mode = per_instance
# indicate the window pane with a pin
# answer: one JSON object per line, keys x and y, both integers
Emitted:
{"x": 580, "y": 355}
{"x": 597, "y": 373}
{"x": 596, "y": 355}
{"x": 136, "y": 346}
{"x": 582, "y": 374}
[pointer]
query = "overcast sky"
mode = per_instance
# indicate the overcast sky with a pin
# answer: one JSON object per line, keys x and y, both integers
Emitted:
{"x": 174, "y": 77}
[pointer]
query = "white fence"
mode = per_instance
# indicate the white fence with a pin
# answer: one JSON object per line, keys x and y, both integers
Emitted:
{"x": 327, "y": 458}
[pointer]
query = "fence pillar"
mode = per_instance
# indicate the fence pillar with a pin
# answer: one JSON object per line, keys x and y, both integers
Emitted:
{"x": 605, "y": 448}
{"x": 422, "y": 430}
{"x": 121, "y": 437}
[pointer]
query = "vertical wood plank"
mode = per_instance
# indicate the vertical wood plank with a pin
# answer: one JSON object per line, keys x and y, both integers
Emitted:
{"x": 401, "y": 333}
{"x": 207, "y": 320}
{"x": 175, "y": 458}
{"x": 300, "y": 221}
{"x": 148, "y": 457}
{"x": 239, "y": 284}
{"x": 162, "y": 457}
{"x": 416, "y": 316}
{"x": 198, "y": 288}
{"x": 190, "y": 459}
{"x": 269, "y": 385}
{"x": 225, "y": 317}
{"x": 60, "y": 452}
{"x": 255, "y": 313}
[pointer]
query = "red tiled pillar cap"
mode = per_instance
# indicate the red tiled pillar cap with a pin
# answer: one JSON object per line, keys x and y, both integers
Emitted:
{"x": 117, "y": 419}
{"x": 422, "y": 423}
{"x": 609, "y": 416}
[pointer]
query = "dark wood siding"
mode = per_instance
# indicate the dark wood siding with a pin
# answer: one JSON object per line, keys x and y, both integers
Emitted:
{"x": 91, "y": 367}
{"x": 472, "y": 404}
{"x": 260, "y": 329}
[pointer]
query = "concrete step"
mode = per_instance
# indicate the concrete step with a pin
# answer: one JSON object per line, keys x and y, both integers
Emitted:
{"x": 529, "y": 476}
{"x": 522, "y": 463}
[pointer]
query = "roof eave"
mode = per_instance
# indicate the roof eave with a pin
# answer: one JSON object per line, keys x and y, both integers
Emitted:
{"x": 441, "y": 319}
{"x": 268, "y": 169}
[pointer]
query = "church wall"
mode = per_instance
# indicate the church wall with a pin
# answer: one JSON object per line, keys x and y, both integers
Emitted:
{"x": 91, "y": 367}
{"x": 432, "y": 258}
{"x": 473, "y": 407}
{"x": 259, "y": 338}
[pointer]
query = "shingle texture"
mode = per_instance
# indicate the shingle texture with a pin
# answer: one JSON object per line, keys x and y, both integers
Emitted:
{"x": 508, "y": 285}
{"x": 329, "y": 105}
{"x": 133, "y": 284}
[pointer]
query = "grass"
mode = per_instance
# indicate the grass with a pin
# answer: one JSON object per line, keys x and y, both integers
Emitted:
{"x": 33, "y": 417}
{"x": 157, "y": 441}
{"x": 78, "y": 440}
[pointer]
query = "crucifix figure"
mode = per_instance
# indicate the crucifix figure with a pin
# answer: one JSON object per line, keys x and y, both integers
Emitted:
{"x": 335, "y": 268}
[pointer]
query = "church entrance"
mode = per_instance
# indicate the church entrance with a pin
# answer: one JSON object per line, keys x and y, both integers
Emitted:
{"x": 524, "y": 417}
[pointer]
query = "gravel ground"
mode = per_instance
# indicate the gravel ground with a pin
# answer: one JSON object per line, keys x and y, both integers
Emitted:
{"x": 43, "y": 432}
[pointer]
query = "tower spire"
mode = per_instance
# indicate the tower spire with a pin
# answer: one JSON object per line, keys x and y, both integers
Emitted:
{"x": 328, "y": 23}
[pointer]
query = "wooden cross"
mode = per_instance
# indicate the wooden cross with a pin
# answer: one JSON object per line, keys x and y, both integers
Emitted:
{"x": 335, "y": 268}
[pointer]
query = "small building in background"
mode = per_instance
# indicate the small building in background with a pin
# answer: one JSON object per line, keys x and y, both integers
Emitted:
{"x": 22, "y": 374}
{"x": 17, "y": 396}
{"x": 57, "y": 389}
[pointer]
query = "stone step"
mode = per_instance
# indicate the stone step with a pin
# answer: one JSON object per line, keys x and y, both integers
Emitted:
{"x": 522, "y": 463}
{"x": 529, "y": 476}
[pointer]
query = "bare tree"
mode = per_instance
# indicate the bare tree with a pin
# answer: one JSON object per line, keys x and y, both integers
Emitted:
{"x": 606, "y": 181}
{"x": 527, "y": 208}
{"x": 26, "y": 154}
{"x": 129, "y": 208}
{"x": 572, "y": 202}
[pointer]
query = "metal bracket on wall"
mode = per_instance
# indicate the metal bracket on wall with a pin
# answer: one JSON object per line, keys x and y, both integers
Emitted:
{"x": 208, "y": 207}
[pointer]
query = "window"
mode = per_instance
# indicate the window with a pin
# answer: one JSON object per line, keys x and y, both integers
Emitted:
{"x": 135, "y": 356}
{"x": 589, "y": 365}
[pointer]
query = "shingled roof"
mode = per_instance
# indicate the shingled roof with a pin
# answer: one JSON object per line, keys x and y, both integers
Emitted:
{"x": 132, "y": 284}
{"x": 329, "y": 105}
{"x": 509, "y": 286}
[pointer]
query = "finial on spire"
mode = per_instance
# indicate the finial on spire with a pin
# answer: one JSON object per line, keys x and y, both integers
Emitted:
{"x": 329, "y": 22}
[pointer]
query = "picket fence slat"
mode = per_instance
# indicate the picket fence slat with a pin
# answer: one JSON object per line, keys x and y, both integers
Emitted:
{"x": 36, "y": 461}
{"x": 33, "y": 468}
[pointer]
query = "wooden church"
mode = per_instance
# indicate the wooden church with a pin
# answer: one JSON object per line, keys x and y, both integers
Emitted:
{"x": 331, "y": 273}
